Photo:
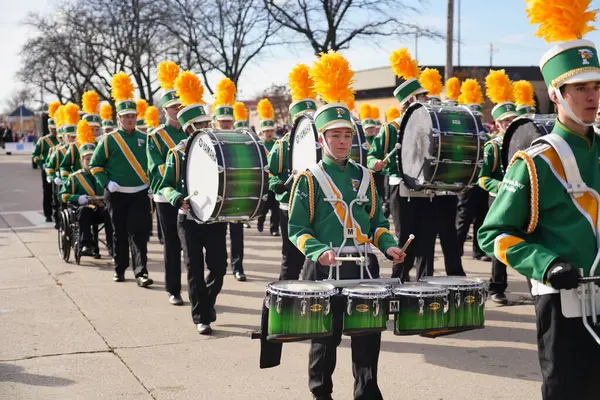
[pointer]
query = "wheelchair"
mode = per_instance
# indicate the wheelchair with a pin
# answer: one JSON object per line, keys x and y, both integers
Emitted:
{"x": 68, "y": 233}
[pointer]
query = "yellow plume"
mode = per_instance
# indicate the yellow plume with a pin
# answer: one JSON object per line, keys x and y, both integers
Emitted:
{"x": 403, "y": 64}
{"x": 84, "y": 133}
{"x": 58, "y": 116}
{"x": 52, "y": 107}
{"x": 106, "y": 112}
{"x": 364, "y": 111}
{"x": 189, "y": 88}
{"x": 523, "y": 92}
{"x": 225, "y": 92}
{"x": 349, "y": 102}
{"x": 452, "y": 88}
{"x": 240, "y": 112}
{"x": 152, "y": 117}
{"x": 265, "y": 110}
{"x": 71, "y": 114}
{"x": 561, "y": 20}
{"x": 301, "y": 84}
{"x": 167, "y": 73}
{"x": 392, "y": 113}
{"x": 375, "y": 112}
{"x": 141, "y": 106}
{"x": 89, "y": 102}
{"x": 121, "y": 87}
{"x": 332, "y": 78}
{"x": 499, "y": 87}
{"x": 470, "y": 92}
{"x": 431, "y": 80}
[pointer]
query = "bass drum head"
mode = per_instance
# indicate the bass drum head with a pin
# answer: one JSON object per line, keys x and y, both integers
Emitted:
{"x": 305, "y": 149}
{"x": 521, "y": 132}
{"x": 202, "y": 175}
{"x": 360, "y": 147}
{"x": 416, "y": 153}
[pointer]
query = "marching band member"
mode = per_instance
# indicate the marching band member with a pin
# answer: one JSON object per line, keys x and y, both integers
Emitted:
{"x": 499, "y": 90}
{"x": 108, "y": 125}
{"x": 267, "y": 129}
{"x": 316, "y": 224}
{"x": 40, "y": 153}
{"x": 452, "y": 87}
{"x": 224, "y": 101}
{"x": 81, "y": 188}
{"x": 119, "y": 165}
{"x": 160, "y": 140}
{"x": 240, "y": 115}
{"x": 544, "y": 221}
{"x": 523, "y": 92}
{"x": 141, "y": 106}
{"x": 70, "y": 118}
{"x": 196, "y": 238}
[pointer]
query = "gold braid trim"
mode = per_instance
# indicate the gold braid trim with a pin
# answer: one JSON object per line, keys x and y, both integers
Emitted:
{"x": 373, "y": 196}
{"x": 387, "y": 140}
{"x": 534, "y": 190}
{"x": 569, "y": 74}
{"x": 311, "y": 194}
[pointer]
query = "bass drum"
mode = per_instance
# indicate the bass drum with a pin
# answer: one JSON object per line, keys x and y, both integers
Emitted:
{"x": 522, "y": 131}
{"x": 441, "y": 147}
{"x": 226, "y": 175}
{"x": 305, "y": 149}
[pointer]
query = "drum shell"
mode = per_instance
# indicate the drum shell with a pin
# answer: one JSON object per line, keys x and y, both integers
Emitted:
{"x": 365, "y": 315}
{"x": 521, "y": 132}
{"x": 466, "y": 308}
{"x": 288, "y": 322}
{"x": 418, "y": 314}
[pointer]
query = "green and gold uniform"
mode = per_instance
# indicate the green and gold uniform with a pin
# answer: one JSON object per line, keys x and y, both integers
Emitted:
{"x": 71, "y": 161}
{"x": 271, "y": 204}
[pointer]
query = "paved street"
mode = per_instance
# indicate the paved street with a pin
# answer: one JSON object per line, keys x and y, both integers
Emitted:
{"x": 69, "y": 332}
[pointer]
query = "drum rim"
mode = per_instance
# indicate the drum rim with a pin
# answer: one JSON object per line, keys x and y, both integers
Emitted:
{"x": 329, "y": 291}
{"x": 382, "y": 292}
{"x": 416, "y": 291}
{"x": 510, "y": 131}
{"x": 293, "y": 136}
{"x": 469, "y": 284}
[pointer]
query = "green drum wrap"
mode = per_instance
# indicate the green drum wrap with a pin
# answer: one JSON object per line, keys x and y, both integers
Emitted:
{"x": 299, "y": 310}
{"x": 467, "y": 301}
{"x": 441, "y": 147}
{"x": 366, "y": 309}
{"x": 418, "y": 308}
{"x": 227, "y": 170}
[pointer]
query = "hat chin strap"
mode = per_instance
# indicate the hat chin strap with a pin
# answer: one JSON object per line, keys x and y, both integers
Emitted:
{"x": 564, "y": 104}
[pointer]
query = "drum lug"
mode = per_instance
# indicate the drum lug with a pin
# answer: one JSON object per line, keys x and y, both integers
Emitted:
{"x": 220, "y": 169}
{"x": 349, "y": 307}
{"x": 278, "y": 303}
{"x": 484, "y": 295}
{"x": 266, "y": 169}
{"x": 421, "y": 305}
{"x": 457, "y": 299}
{"x": 267, "y": 301}
{"x": 446, "y": 304}
{"x": 303, "y": 305}
{"x": 327, "y": 306}
{"x": 219, "y": 199}
{"x": 375, "y": 307}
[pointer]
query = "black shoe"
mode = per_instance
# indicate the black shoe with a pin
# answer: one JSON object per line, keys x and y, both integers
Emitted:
{"x": 161, "y": 241}
{"x": 48, "y": 219}
{"x": 204, "y": 329}
{"x": 240, "y": 276}
{"x": 260, "y": 227}
{"x": 275, "y": 233}
{"x": 111, "y": 251}
{"x": 175, "y": 299}
{"x": 97, "y": 255}
{"x": 483, "y": 257}
{"x": 86, "y": 251}
{"x": 118, "y": 277}
{"x": 499, "y": 298}
{"x": 144, "y": 281}
{"x": 247, "y": 225}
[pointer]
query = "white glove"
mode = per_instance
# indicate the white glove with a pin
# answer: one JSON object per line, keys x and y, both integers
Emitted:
{"x": 113, "y": 186}
{"x": 58, "y": 181}
{"x": 82, "y": 200}
{"x": 48, "y": 179}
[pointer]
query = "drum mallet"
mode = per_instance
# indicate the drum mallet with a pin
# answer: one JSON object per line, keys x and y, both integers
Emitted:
{"x": 290, "y": 178}
{"x": 391, "y": 153}
{"x": 195, "y": 193}
{"x": 359, "y": 259}
{"x": 411, "y": 237}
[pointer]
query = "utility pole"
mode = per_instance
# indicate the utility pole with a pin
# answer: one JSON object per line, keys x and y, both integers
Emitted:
{"x": 459, "y": 42}
{"x": 449, "y": 41}
{"x": 491, "y": 54}
{"x": 417, "y": 46}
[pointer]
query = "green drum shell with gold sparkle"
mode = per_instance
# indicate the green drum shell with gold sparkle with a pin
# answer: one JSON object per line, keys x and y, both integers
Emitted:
{"x": 441, "y": 147}
{"x": 299, "y": 310}
{"x": 466, "y": 301}
{"x": 366, "y": 309}
{"x": 418, "y": 308}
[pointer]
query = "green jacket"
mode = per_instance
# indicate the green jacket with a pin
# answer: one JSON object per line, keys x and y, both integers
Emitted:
{"x": 70, "y": 162}
{"x": 80, "y": 183}
{"x": 370, "y": 140}
{"x": 534, "y": 221}
{"x": 159, "y": 142}
{"x": 490, "y": 174}
{"x": 314, "y": 223}
{"x": 53, "y": 160}
{"x": 171, "y": 185}
{"x": 278, "y": 168}
{"x": 382, "y": 145}
{"x": 42, "y": 147}
{"x": 121, "y": 158}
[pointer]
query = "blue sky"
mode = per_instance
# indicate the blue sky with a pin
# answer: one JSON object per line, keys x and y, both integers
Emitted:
{"x": 482, "y": 23}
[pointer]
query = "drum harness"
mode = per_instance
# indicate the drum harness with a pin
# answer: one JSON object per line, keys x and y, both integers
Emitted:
{"x": 575, "y": 302}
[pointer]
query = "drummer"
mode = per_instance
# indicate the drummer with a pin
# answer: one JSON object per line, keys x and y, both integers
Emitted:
{"x": 266, "y": 114}
{"x": 499, "y": 90}
{"x": 141, "y": 106}
{"x": 317, "y": 229}
{"x": 547, "y": 232}
{"x": 108, "y": 124}
{"x": 523, "y": 92}
{"x": 196, "y": 238}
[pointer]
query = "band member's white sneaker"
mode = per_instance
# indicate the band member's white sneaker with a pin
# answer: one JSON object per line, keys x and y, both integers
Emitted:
{"x": 204, "y": 329}
{"x": 176, "y": 300}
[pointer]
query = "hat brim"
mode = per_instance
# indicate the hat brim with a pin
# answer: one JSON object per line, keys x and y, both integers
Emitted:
{"x": 126, "y": 112}
{"x": 507, "y": 115}
{"x": 339, "y": 124}
{"x": 584, "y": 77}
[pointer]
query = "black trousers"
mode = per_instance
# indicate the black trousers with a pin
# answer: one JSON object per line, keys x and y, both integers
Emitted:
{"x": 236, "y": 236}
{"x": 167, "y": 218}
{"x": 129, "y": 217}
{"x": 292, "y": 258}
{"x": 270, "y": 205}
{"x": 46, "y": 196}
{"x": 472, "y": 209}
{"x": 322, "y": 356}
{"x": 56, "y": 202}
{"x": 568, "y": 355}
{"x": 445, "y": 222}
{"x": 88, "y": 217}
{"x": 415, "y": 216}
{"x": 499, "y": 279}
{"x": 196, "y": 239}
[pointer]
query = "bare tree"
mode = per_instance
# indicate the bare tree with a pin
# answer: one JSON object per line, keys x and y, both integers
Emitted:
{"x": 20, "y": 97}
{"x": 334, "y": 24}
{"x": 280, "y": 97}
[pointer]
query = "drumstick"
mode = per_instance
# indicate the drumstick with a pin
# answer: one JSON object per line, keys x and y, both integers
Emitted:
{"x": 191, "y": 195}
{"x": 391, "y": 153}
{"x": 290, "y": 178}
{"x": 411, "y": 237}
{"x": 360, "y": 259}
